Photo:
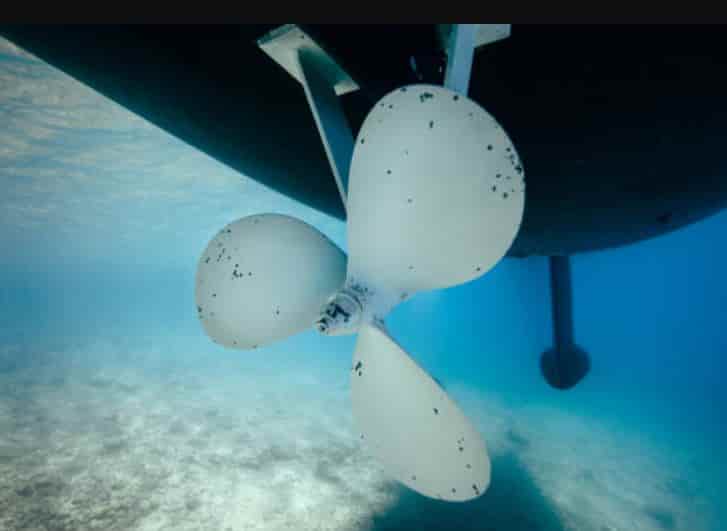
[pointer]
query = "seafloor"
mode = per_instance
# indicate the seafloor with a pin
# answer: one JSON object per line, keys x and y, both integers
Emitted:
{"x": 108, "y": 437}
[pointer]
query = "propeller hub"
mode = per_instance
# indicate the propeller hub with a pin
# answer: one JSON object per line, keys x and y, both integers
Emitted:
{"x": 341, "y": 315}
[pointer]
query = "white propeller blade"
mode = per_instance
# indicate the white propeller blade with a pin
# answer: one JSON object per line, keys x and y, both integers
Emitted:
{"x": 411, "y": 425}
{"x": 436, "y": 192}
{"x": 264, "y": 278}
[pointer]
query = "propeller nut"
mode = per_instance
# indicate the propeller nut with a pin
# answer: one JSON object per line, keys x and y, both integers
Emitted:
{"x": 341, "y": 315}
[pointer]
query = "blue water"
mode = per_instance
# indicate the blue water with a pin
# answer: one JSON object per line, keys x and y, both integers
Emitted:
{"x": 117, "y": 412}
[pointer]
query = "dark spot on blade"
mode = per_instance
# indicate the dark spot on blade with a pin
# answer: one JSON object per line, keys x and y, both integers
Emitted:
{"x": 489, "y": 147}
{"x": 436, "y": 411}
{"x": 25, "y": 492}
{"x": 455, "y": 97}
{"x": 413, "y": 478}
{"x": 469, "y": 466}
{"x": 431, "y": 124}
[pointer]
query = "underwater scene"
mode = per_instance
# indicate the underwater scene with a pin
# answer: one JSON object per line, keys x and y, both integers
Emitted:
{"x": 118, "y": 412}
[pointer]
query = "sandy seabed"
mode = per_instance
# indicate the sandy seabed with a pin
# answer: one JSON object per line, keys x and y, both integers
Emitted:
{"x": 109, "y": 439}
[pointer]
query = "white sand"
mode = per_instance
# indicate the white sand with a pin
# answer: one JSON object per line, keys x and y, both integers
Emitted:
{"x": 100, "y": 439}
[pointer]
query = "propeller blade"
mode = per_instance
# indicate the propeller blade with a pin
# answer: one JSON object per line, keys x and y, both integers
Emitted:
{"x": 411, "y": 425}
{"x": 264, "y": 278}
{"x": 436, "y": 191}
